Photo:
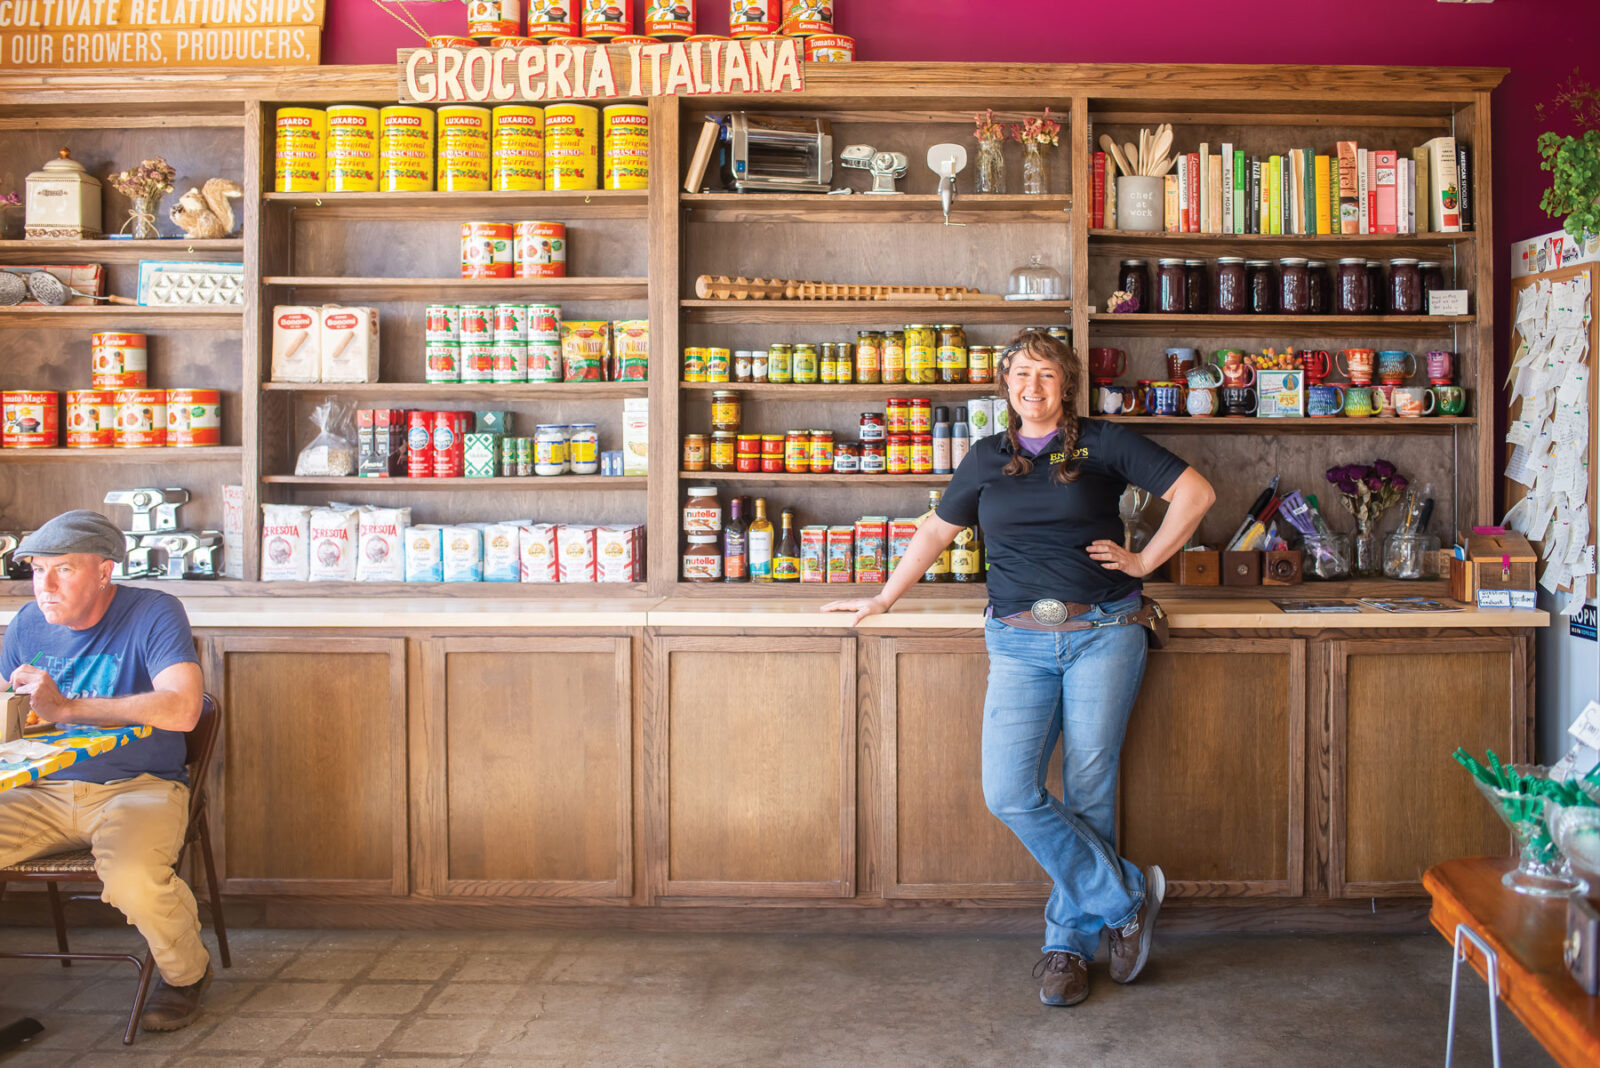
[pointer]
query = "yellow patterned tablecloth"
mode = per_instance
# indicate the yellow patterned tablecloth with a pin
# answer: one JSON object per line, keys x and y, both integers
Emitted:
{"x": 74, "y": 744}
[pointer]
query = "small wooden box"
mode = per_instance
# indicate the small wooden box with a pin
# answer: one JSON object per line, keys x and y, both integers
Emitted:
{"x": 15, "y": 718}
{"x": 1283, "y": 567}
{"x": 1197, "y": 567}
{"x": 1241, "y": 569}
{"x": 1497, "y": 562}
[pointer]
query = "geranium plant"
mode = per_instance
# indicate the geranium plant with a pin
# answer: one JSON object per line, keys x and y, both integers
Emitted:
{"x": 1573, "y": 159}
{"x": 1368, "y": 491}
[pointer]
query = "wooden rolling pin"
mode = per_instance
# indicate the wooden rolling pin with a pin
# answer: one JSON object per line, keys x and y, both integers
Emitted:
{"x": 721, "y": 287}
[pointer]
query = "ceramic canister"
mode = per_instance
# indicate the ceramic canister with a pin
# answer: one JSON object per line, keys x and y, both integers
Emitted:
{"x": 464, "y": 149}
{"x": 627, "y": 146}
{"x": 352, "y": 149}
{"x": 91, "y": 418}
{"x": 405, "y": 149}
{"x": 516, "y": 157}
{"x": 571, "y": 147}
{"x": 194, "y": 417}
{"x": 141, "y": 418}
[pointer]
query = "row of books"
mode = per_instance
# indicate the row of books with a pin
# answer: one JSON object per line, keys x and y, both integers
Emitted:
{"x": 1352, "y": 190}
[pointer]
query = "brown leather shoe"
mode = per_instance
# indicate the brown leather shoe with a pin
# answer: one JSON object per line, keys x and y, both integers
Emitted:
{"x": 1130, "y": 946}
{"x": 169, "y": 1008}
{"x": 1064, "y": 978}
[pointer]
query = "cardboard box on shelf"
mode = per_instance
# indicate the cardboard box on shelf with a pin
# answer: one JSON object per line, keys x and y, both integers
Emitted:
{"x": 636, "y": 436}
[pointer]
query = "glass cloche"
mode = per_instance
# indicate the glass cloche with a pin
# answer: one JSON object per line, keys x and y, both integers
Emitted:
{"x": 1036, "y": 280}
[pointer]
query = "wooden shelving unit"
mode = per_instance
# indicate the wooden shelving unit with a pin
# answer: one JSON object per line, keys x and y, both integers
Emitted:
{"x": 469, "y": 391}
{"x": 1288, "y": 328}
{"x": 552, "y": 484}
{"x": 488, "y": 207}
{"x": 108, "y": 316}
{"x": 112, "y": 251}
{"x": 873, "y": 312}
{"x": 1249, "y": 424}
{"x": 174, "y": 454}
{"x": 487, "y": 290}
{"x": 754, "y": 478}
{"x": 969, "y": 208}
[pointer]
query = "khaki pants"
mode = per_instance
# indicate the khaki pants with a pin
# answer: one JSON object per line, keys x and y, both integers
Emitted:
{"x": 135, "y": 829}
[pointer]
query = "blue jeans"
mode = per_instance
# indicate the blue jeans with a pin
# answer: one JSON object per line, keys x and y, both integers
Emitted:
{"x": 1078, "y": 686}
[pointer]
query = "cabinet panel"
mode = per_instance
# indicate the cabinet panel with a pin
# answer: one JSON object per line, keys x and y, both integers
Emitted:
{"x": 1212, "y": 785}
{"x": 532, "y": 737}
{"x": 311, "y": 765}
{"x": 1401, "y": 804}
{"x": 940, "y": 840}
{"x": 752, "y": 742}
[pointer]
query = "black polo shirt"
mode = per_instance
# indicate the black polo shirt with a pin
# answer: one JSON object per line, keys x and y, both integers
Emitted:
{"x": 1037, "y": 531}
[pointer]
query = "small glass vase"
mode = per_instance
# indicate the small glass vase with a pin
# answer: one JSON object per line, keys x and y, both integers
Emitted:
{"x": 1366, "y": 559}
{"x": 142, "y": 217}
{"x": 991, "y": 166}
{"x": 1035, "y": 179}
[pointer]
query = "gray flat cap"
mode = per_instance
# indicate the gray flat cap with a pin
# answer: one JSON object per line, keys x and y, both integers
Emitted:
{"x": 79, "y": 531}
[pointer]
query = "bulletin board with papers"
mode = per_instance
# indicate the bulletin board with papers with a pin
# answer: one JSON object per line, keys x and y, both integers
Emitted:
{"x": 1555, "y": 405}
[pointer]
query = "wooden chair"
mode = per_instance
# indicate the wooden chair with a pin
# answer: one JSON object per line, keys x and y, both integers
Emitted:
{"x": 77, "y": 866}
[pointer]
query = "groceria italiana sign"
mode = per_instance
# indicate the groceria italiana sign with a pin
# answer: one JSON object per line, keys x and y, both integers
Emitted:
{"x": 574, "y": 72}
{"x": 160, "y": 33}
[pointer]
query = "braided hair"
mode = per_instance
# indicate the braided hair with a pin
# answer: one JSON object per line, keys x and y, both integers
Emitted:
{"x": 1041, "y": 346}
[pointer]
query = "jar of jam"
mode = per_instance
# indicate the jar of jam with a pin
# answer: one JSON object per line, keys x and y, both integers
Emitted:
{"x": 1350, "y": 287}
{"x": 844, "y": 360}
{"x": 727, "y": 410}
{"x": 1374, "y": 287}
{"x": 921, "y": 415}
{"x": 869, "y": 357}
{"x": 748, "y": 455}
{"x": 742, "y": 360}
{"x": 758, "y": 365}
{"x": 980, "y": 364}
{"x": 893, "y": 355}
{"x": 1197, "y": 286}
{"x": 780, "y": 363}
{"x": 847, "y": 458}
{"x": 899, "y": 454}
{"x": 922, "y": 353}
{"x": 1133, "y": 278}
{"x": 807, "y": 365}
{"x": 695, "y": 451}
{"x": 724, "y": 450}
{"x": 1405, "y": 288}
{"x": 1294, "y": 286}
{"x": 897, "y": 415}
{"x": 1432, "y": 279}
{"x": 1317, "y": 275}
{"x": 797, "y": 452}
{"x": 873, "y": 426}
{"x": 952, "y": 358}
{"x": 821, "y": 451}
{"x": 828, "y": 363}
{"x": 1261, "y": 287}
{"x": 772, "y": 454}
{"x": 874, "y": 457}
{"x": 922, "y": 454}
{"x": 1232, "y": 298}
{"x": 1172, "y": 294}
{"x": 702, "y": 560}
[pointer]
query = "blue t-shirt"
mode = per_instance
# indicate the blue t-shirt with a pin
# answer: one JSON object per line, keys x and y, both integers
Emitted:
{"x": 143, "y": 633}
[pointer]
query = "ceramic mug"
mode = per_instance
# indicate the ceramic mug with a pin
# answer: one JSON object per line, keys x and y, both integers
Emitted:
{"x": 1110, "y": 400}
{"x": 1358, "y": 365}
{"x": 1180, "y": 362}
{"x": 1235, "y": 372}
{"x": 1324, "y": 402}
{"x": 1413, "y": 402}
{"x": 1362, "y": 401}
{"x": 1317, "y": 365}
{"x": 1165, "y": 398}
{"x": 1238, "y": 400}
{"x": 1450, "y": 400}
{"x": 1387, "y": 390}
{"x": 1395, "y": 367}
{"x": 1106, "y": 364}
{"x": 1202, "y": 401}
{"x": 1440, "y": 367}
{"x": 1205, "y": 376}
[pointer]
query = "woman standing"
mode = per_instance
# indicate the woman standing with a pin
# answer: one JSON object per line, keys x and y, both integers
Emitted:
{"x": 1066, "y": 651}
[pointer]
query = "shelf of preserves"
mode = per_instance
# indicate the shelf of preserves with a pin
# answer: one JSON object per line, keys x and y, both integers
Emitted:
{"x": 829, "y": 591}
{"x": 491, "y": 289}
{"x": 488, "y": 391}
{"x": 875, "y": 312}
{"x": 842, "y": 391}
{"x": 786, "y": 479}
{"x": 1149, "y": 324}
{"x": 172, "y": 454}
{"x": 109, "y": 251}
{"x": 1134, "y": 243}
{"x": 866, "y": 207}
{"x": 42, "y": 317}
{"x": 551, "y": 482}
{"x": 485, "y": 206}
{"x": 1247, "y": 424}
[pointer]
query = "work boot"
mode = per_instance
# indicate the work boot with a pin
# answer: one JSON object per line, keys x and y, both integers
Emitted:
{"x": 1064, "y": 978}
{"x": 169, "y": 1008}
{"x": 1130, "y": 944}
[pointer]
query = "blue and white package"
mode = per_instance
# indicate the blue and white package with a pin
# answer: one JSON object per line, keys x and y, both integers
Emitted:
{"x": 424, "y": 554}
{"x": 463, "y": 554}
{"x": 501, "y": 560}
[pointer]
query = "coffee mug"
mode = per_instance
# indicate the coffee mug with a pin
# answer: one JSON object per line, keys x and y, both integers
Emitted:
{"x": 1413, "y": 402}
{"x": 1165, "y": 398}
{"x": 1205, "y": 376}
{"x": 1386, "y": 389}
{"x": 1238, "y": 400}
{"x": 1362, "y": 401}
{"x": 1180, "y": 362}
{"x": 1450, "y": 400}
{"x": 1317, "y": 365}
{"x": 1106, "y": 364}
{"x": 1109, "y": 400}
{"x": 1202, "y": 401}
{"x": 1358, "y": 365}
{"x": 1395, "y": 367}
{"x": 1235, "y": 372}
{"x": 1323, "y": 402}
{"x": 1439, "y": 367}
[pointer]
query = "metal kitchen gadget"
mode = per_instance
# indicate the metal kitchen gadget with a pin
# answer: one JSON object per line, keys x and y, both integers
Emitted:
{"x": 884, "y": 167}
{"x": 156, "y": 547}
{"x": 153, "y": 509}
{"x": 778, "y": 154}
{"x": 947, "y": 161}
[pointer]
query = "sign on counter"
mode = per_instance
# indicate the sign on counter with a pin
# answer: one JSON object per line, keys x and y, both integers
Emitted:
{"x": 160, "y": 33}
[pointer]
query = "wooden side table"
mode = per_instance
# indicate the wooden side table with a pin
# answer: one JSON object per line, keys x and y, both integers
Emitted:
{"x": 1525, "y": 934}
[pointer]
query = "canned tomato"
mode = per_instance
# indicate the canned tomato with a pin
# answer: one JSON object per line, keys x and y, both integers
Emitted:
{"x": 669, "y": 19}
{"x": 493, "y": 18}
{"x": 822, "y": 451}
{"x": 627, "y": 141}
{"x": 486, "y": 250}
{"x": 118, "y": 361}
{"x": 141, "y": 418}
{"x": 813, "y": 554}
{"x": 30, "y": 419}
{"x": 477, "y": 361}
{"x": 830, "y": 48}
{"x": 516, "y": 150}
{"x": 442, "y": 40}
{"x": 405, "y": 149}
{"x": 841, "y": 553}
{"x": 91, "y": 418}
{"x": 463, "y": 149}
{"x": 874, "y": 458}
{"x": 605, "y": 19}
{"x": 899, "y": 454}
{"x": 540, "y": 249}
{"x": 544, "y": 361}
{"x": 476, "y": 322}
{"x": 571, "y": 147}
{"x": 797, "y": 451}
{"x": 443, "y": 322}
{"x": 752, "y": 18}
{"x": 194, "y": 417}
{"x": 804, "y": 18}
{"x": 897, "y": 415}
{"x": 444, "y": 361}
{"x": 300, "y": 151}
{"x": 544, "y": 322}
{"x": 921, "y": 415}
{"x": 515, "y": 42}
{"x": 511, "y": 322}
{"x": 871, "y": 534}
{"x": 633, "y": 39}
{"x": 419, "y": 444}
{"x": 552, "y": 18}
{"x": 510, "y": 361}
{"x": 922, "y": 454}
{"x": 352, "y": 149}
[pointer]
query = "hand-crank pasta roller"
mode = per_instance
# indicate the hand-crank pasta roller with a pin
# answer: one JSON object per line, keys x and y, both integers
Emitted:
{"x": 721, "y": 287}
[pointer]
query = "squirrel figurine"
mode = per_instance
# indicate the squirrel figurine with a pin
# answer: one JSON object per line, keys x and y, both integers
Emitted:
{"x": 206, "y": 212}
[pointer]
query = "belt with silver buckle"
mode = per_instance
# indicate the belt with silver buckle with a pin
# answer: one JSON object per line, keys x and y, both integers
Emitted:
{"x": 1049, "y": 611}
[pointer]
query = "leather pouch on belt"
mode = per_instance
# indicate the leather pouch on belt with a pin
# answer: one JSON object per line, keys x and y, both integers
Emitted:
{"x": 1154, "y": 619}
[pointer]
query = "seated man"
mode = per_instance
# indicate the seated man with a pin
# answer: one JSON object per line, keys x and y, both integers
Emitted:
{"x": 92, "y": 652}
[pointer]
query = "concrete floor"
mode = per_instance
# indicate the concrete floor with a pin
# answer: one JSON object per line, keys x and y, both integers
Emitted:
{"x": 345, "y": 999}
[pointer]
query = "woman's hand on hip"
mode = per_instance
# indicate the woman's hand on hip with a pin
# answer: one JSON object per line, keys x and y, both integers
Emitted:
{"x": 861, "y": 606}
{"x": 1113, "y": 557}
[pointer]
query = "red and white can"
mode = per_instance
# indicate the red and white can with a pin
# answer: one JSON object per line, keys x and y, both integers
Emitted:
{"x": 476, "y": 322}
{"x": 752, "y": 18}
{"x": 194, "y": 417}
{"x": 830, "y": 48}
{"x": 669, "y": 19}
{"x": 118, "y": 361}
{"x": 605, "y": 19}
{"x": 552, "y": 18}
{"x": 486, "y": 250}
{"x": 141, "y": 418}
{"x": 541, "y": 249}
{"x": 804, "y": 18}
{"x": 544, "y": 322}
{"x": 449, "y": 443}
{"x": 91, "y": 418}
{"x": 31, "y": 419}
{"x": 494, "y": 18}
{"x": 419, "y": 444}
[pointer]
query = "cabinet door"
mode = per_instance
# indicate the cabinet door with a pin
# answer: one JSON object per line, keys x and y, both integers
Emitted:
{"x": 524, "y": 773}
{"x": 309, "y": 790}
{"x": 1213, "y": 781}
{"x": 1397, "y": 711}
{"x": 750, "y": 766}
{"x": 938, "y": 839}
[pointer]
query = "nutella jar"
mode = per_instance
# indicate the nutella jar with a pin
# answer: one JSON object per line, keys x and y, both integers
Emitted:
{"x": 702, "y": 512}
{"x": 702, "y": 560}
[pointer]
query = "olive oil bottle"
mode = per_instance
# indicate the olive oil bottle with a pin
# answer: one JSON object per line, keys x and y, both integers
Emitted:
{"x": 786, "y": 561}
{"x": 966, "y": 556}
{"x": 758, "y": 542}
{"x": 939, "y": 570}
